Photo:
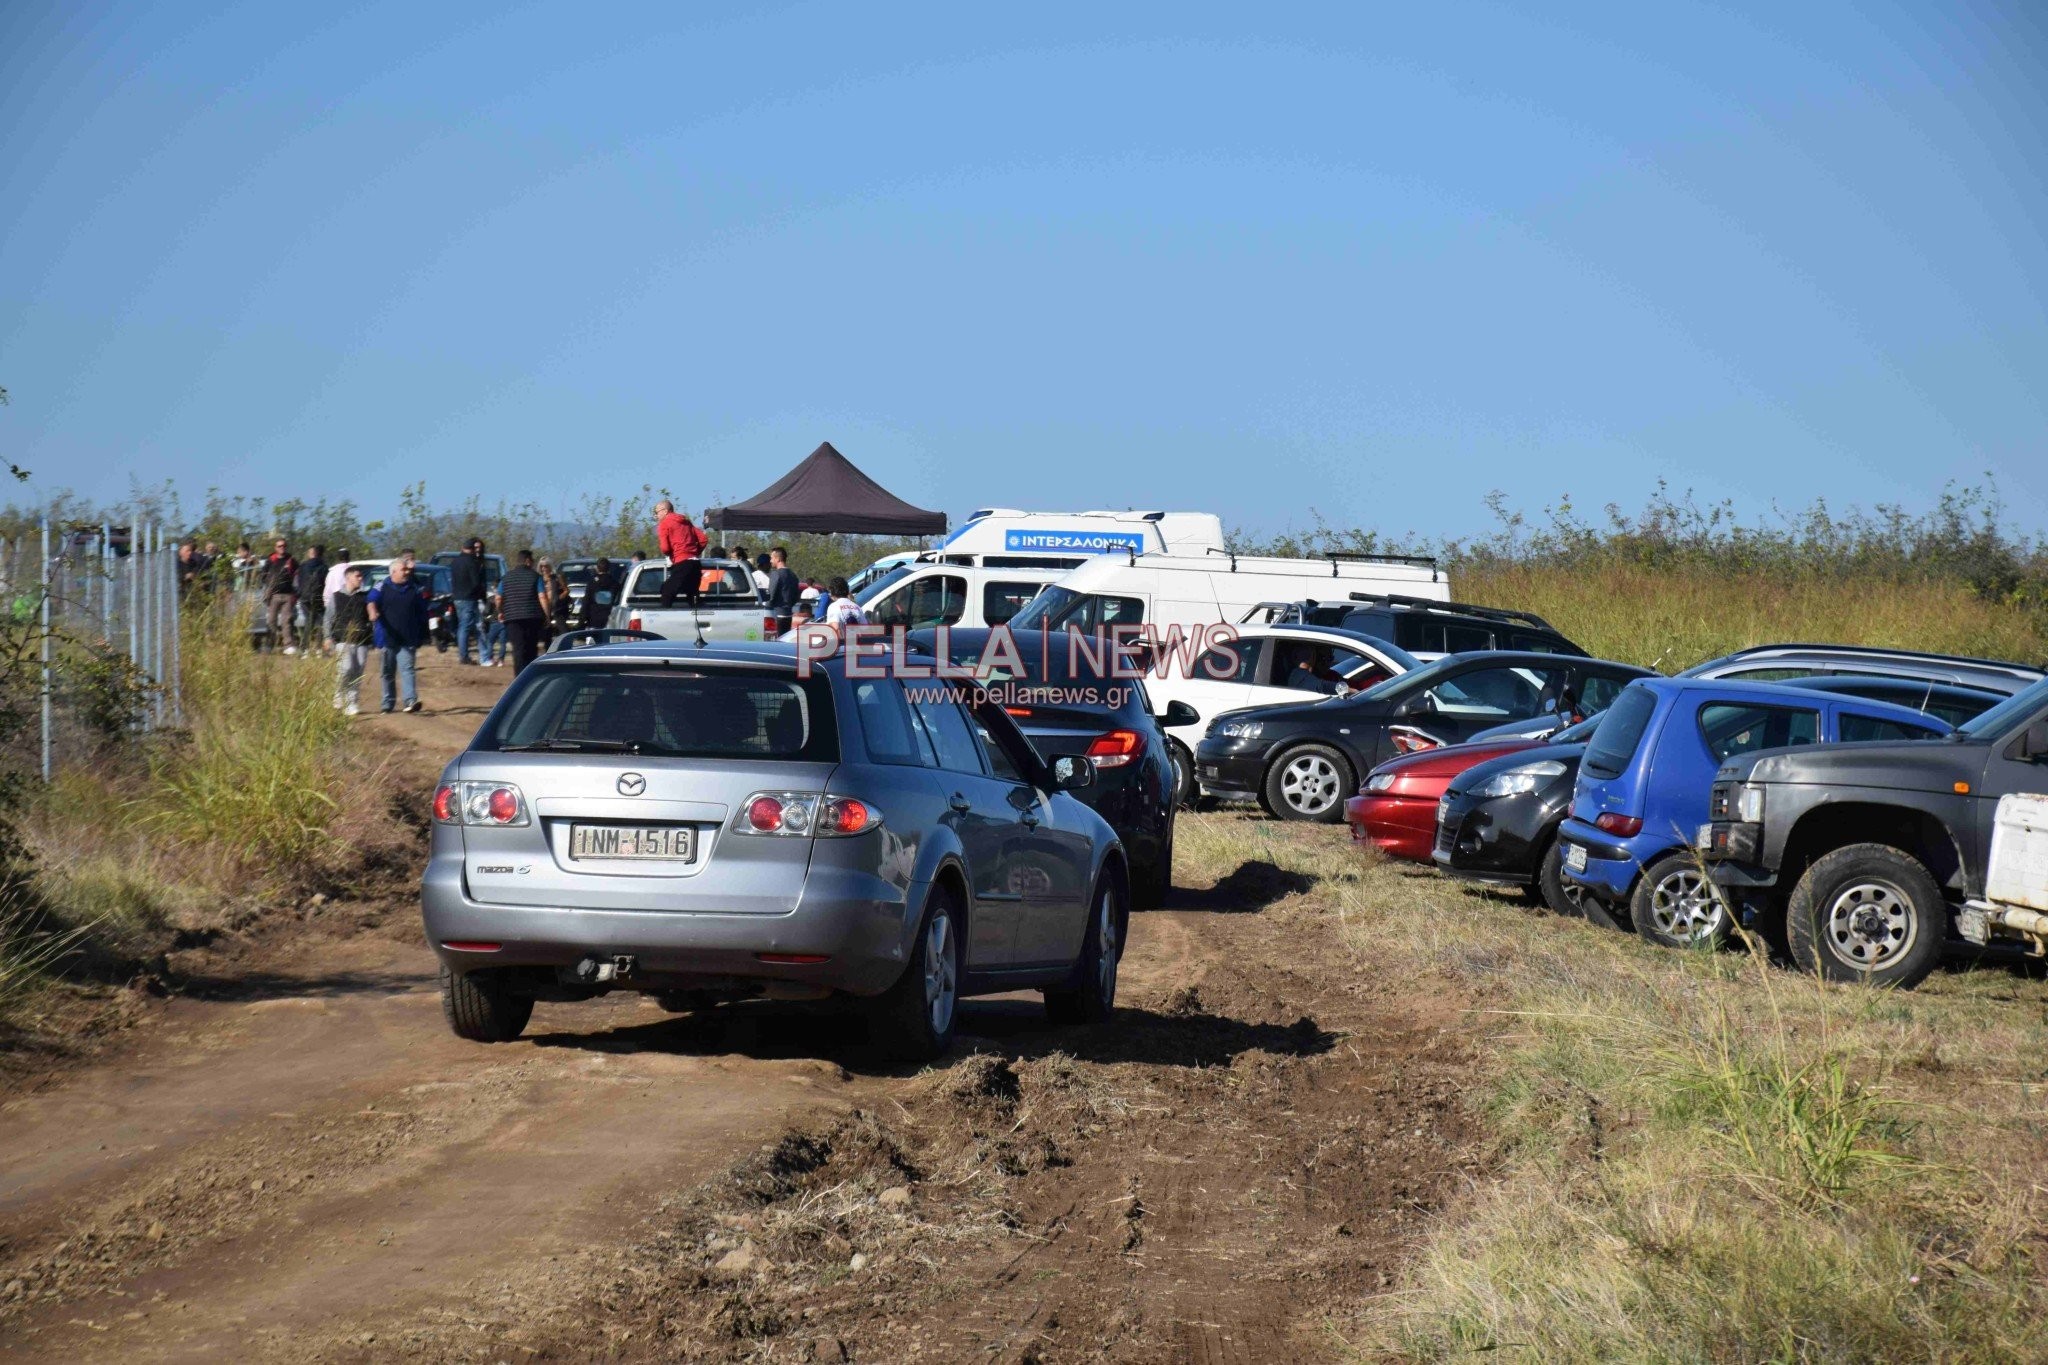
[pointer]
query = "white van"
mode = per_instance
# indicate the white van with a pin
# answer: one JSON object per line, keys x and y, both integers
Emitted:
{"x": 926, "y": 592}
{"x": 1210, "y": 589}
{"x": 1006, "y": 538}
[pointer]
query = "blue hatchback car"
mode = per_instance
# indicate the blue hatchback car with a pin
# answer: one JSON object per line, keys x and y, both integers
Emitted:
{"x": 1644, "y": 782}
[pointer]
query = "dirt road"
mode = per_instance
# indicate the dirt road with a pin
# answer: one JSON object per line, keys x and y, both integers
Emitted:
{"x": 300, "y": 1162}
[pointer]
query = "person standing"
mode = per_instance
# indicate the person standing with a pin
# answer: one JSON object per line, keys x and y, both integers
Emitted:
{"x": 191, "y": 568}
{"x": 350, "y": 627}
{"x": 337, "y": 576}
{"x": 782, "y": 589}
{"x": 843, "y": 611}
{"x": 399, "y": 609}
{"x": 280, "y": 579}
{"x": 761, "y": 566}
{"x": 682, "y": 545}
{"x": 523, "y": 607}
{"x": 467, "y": 588}
{"x": 556, "y": 589}
{"x": 312, "y": 587}
{"x": 600, "y": 595}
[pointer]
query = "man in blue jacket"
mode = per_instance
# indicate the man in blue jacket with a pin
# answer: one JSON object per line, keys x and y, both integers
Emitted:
{"x": 399, "y": 608}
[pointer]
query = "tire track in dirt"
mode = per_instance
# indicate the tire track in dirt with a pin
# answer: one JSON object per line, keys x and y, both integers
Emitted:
{"x": 317, "y": 1169}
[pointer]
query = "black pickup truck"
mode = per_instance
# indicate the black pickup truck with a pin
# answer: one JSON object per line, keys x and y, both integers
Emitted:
{"x": 1868, "y": 851}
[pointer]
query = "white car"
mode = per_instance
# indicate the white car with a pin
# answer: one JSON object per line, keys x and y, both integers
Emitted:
{"x": 1275, "y": 666}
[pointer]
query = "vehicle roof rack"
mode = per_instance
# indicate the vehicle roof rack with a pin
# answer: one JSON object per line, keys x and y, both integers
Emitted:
{"x": 1505, "y": 614}
{"x": 1888, "y": 649}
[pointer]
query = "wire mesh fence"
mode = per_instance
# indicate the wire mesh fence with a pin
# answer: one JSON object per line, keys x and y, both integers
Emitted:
{"x": 99, "y": 606}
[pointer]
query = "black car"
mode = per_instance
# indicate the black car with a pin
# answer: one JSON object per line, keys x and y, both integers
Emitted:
{"x": 1423, "y": 626}
{"x": 1300, "y": 762}
{"x": 1066, "y": 704}
{"x": 581, "y": 576}
{"x": 1497, "y": 822}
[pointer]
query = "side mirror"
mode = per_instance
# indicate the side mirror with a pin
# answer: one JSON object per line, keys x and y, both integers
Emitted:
{"x": 2034, "y": 743}
{"x": 1072, "y": 772}
{"x": 1178, "y": 713}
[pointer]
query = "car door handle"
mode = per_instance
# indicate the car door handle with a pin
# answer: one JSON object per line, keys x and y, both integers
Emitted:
{"x": 961, "y": 803}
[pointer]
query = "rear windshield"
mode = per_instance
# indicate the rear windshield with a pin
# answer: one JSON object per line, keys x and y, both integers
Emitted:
{"x": 698, "y": 711}
{"x": 1621, "y": 730}
{"x": 721, "y": 582}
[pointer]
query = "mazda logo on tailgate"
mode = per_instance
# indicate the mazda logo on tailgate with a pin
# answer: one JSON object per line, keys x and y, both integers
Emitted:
{"x": 631, "y": 784}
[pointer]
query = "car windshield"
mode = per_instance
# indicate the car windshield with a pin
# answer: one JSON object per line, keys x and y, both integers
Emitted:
{"x": 871, "y": 591}
{"x": 578, "y": 571}
{"x": 1417, "y": 679}
{"x": 697, "y": 712}
{"x": 2015, "y": 708}
{"x": 437, "y": 579}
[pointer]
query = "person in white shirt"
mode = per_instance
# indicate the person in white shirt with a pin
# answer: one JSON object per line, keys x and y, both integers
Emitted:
{"x": 843, "y": 611}
{"x": 337, "y": 581}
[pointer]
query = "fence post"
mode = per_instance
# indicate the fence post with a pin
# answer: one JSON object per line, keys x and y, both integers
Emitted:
{"x": 177, "y": 673}
{"x": 44, "y": 647}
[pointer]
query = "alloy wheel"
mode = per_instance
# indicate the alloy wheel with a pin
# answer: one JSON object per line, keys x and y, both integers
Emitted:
{"x": 941, "y": 972}
{"x": 1309, "y": 782}
{"x": 1685, "y": 907}
{"x": 1110, "y": 949}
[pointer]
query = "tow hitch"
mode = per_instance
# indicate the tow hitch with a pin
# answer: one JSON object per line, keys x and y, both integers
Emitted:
{"x": 593, "y": 971}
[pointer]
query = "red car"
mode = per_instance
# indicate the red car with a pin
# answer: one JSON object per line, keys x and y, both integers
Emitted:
{"x": 1396, "y": 808}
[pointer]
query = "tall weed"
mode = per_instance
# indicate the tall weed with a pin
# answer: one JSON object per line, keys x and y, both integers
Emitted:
{"x": 266, "y": 755}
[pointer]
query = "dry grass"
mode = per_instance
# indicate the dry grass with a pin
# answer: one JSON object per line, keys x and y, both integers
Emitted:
{"x": 1670, "y": 619}
{"x": 190, "y": 834}
{"x": 1700, "y": 1156}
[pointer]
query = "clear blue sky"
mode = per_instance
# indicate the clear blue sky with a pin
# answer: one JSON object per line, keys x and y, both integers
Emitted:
{"x": 1371, "y": 259}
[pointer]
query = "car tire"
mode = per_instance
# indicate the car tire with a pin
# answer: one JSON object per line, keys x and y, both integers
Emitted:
{"x": 1151, "y": 885}
{"x": 1870, "y": 913}
{"x": 1185, "y": 789}
{"x": 479, "y": 1007}
{"x": 1309, "y": 782}
{"x": 1090, "y": 996}
{"x": 1676, "y": 905}
{"x": 1562, "y": 898}
{"x": 915, "y": 1018}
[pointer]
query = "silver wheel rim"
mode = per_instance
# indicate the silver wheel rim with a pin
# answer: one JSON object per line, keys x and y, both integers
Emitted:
{"x": 1180, "y": 771}
{"x": 1870, "y": 925}
{"x": 1111, "y": 950}
{"x": 1683, "y": 906}
{"x": 1309, "y": 784}
{"x": 941, "y": 984}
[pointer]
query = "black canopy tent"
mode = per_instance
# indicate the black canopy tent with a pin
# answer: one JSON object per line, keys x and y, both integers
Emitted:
{"x": 826, "y": 493}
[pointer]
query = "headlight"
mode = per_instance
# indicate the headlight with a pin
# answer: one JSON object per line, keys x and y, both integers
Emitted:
{"x": 1379, "y": 782}
{"x": 1241, "y": 729}
{"x": 1515, "y": 781}
{"x": 1749, "y": 804}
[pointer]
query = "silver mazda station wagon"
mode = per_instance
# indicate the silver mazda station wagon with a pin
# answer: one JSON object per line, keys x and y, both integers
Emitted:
{"x": 708, "y": 824}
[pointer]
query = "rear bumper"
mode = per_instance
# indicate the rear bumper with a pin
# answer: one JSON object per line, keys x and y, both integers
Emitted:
{"x": 861, "y": 926}
{"x": 1610, "y": 870}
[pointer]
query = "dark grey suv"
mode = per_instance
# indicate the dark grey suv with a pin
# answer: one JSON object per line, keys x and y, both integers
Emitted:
{"x": 708, "y": 824}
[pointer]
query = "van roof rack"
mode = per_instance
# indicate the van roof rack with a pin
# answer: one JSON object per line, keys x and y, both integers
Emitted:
{"x": 1505, "y": 614}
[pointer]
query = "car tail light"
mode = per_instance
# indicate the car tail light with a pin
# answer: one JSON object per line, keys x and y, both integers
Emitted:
{"x": 768, "y": 630}
{"x": 633, "y": 622}
{"x": 1622, "y": 826}
{"x": 1115, "y": 749}
{"x": 1407, "y": 740}
{"x": 1018, "y": 710}
{"x": 460, "y": 946}
{"x": 479, "y": 803}
{"x": 805, "y": 813}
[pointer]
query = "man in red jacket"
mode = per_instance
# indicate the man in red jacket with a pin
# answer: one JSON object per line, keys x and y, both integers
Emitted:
{"x": 683, "y": 545}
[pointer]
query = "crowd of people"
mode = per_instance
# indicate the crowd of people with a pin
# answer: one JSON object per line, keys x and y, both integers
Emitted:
{"x": 314, "y": 606}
